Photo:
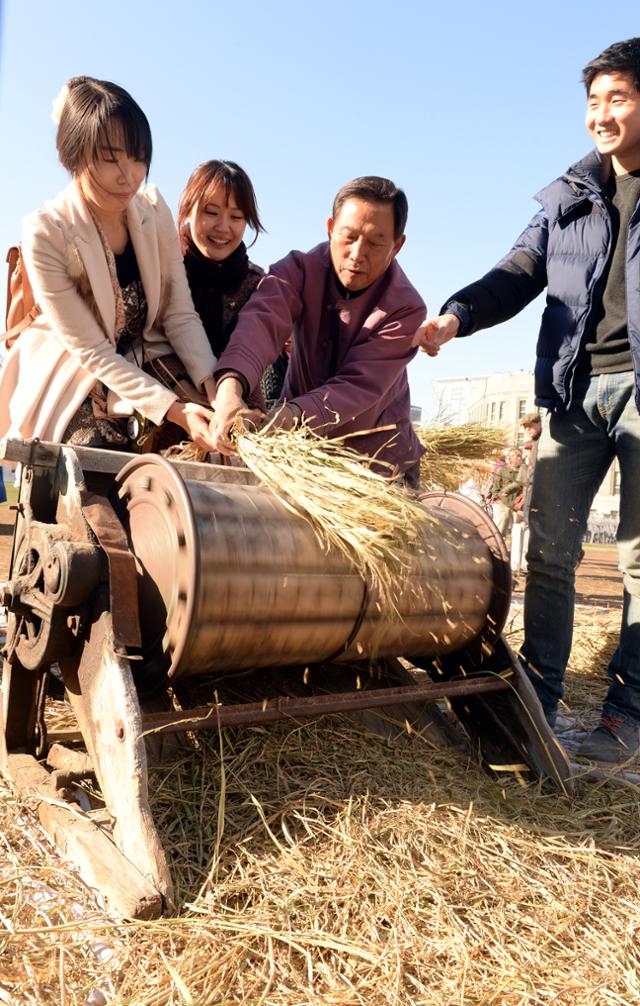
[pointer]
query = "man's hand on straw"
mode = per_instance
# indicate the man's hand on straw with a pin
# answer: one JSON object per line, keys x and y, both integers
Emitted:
{"x": 248, "y": 421}
{"x": 283, "y": 417}
{"x": 229, "y": 402}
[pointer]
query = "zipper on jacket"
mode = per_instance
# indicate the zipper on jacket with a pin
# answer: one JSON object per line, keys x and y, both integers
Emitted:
{"x": 568, "y": 381}
{"x": 632, "y": 220}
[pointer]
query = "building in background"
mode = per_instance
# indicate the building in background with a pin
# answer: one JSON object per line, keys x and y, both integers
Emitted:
{"x": 416, "y": 415}
{"x": 502, "y": 400}
{"x": 452, "y": 397}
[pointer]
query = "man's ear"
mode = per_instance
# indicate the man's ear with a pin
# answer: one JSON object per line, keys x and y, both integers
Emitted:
{"x": 398, "y": 245}
{"x": 330, "y": 227}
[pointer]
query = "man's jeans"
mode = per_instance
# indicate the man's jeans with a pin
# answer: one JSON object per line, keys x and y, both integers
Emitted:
{"x": 574, "y": 454}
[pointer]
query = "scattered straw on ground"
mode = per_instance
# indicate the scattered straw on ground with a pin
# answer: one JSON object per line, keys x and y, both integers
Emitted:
{"x": 351, "y": 870}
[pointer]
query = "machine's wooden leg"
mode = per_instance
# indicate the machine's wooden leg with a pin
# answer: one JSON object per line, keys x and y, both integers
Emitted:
{"x": 19, "y": 710}
{"x": 104, "y": 698}
{"x": 102, "y": 866}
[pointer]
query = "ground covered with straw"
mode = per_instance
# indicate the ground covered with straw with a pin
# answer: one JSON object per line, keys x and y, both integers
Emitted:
{"x": 349, "y": 870}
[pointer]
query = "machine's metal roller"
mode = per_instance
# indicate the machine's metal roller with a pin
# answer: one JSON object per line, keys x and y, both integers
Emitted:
{"x": 231, "y": 579}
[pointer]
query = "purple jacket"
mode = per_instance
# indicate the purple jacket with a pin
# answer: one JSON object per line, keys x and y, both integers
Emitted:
{"x": 369, "y": 387}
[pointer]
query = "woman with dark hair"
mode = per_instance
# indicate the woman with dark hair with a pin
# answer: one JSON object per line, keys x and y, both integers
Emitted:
{"x": 215, "y": 209}
{"x": 106, "y": 269}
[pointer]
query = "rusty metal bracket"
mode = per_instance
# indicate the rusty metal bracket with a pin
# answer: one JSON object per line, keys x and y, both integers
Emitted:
{"x": 355, "y": 629}
{"x": 123, "y": 575}
{"x": 218, "y": 715}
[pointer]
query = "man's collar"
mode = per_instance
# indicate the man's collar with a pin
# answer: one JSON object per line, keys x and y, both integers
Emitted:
{"x": 594, "y": 170}
{"x": 342, "y": 290}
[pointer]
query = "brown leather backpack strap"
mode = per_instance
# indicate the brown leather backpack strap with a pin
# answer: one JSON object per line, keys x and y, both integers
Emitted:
{"x": 13, "y": 257}
{"x": 19, "y": 296}
{"x": 28, "y": 319}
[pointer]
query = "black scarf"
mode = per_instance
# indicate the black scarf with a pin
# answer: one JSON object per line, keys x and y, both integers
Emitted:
{"x": 208, "y": 281}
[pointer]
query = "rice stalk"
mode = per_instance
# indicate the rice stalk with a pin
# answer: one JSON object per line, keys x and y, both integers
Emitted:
{"x": 370, "y": 519}
{"x": 451, "y": 451}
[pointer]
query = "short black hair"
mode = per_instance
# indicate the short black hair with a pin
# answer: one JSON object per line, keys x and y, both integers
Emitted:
{"x": 621, "y": 57}
{"x": 91, "y": 109}
{"x": 373, "y": 189}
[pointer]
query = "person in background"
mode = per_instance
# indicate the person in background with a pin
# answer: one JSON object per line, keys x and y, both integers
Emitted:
{"x": 216, "y": 207}
{"x": 105, "y": 265}
{"x": 584, "y": 246}
{"x": 532, "y": 426}
{"x": 491, "y": 478}
{"x": 472, "y": 486}
{"x": 351, "y": 311}
{"x": 507, "y": 490}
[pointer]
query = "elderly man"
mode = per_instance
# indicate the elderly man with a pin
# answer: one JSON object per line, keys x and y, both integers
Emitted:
{"x": 353, "y": 315}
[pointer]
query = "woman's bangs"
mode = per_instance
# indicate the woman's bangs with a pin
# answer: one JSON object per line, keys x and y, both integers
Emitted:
{"x": 219, "y": 180}
{"x": 129, "y": 132}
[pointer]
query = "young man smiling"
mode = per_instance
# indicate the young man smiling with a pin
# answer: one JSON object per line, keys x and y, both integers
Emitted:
{"x": 353, "y": 315}
{"x": 584, "y": 246}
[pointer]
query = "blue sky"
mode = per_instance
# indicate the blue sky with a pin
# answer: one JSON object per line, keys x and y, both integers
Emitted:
{"x": 470, "y": 107}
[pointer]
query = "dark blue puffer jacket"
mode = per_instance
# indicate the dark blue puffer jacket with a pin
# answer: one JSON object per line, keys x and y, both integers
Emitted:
{"x": 566, "y": 248}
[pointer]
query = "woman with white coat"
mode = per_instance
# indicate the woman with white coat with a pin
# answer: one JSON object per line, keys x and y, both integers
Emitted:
{"x": 107, "y": 274}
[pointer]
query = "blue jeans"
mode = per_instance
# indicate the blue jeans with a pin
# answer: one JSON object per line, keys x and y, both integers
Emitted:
{"x": 574, "y": 454}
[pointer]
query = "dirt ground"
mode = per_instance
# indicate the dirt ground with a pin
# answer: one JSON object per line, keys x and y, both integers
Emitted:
{"x": 599, "y": 580}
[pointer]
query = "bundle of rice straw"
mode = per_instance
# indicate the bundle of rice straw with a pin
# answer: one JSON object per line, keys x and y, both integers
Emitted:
{"x": 452, "y": 450}
{"x": 376, "y": 524}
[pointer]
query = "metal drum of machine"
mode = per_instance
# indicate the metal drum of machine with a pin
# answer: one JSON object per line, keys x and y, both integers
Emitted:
{"x": 231, "y": 579}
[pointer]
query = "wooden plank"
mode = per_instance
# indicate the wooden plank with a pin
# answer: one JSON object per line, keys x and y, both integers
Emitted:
{"x": 101, "y": 865}
{"x": 102, "y": 693}
{"x": 68, "y": 760}
{"x": 29, "y": 452}
{"x": 19, "y": 714}
{"x": 94, "y": 459}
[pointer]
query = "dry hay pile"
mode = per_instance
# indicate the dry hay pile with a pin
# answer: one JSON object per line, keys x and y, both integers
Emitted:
{"x": 453, "y": 452}
{"x": 317, "y": 864}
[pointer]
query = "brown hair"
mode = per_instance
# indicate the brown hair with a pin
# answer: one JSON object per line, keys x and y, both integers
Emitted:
{"x": 373, "y": 189}
{"x": 90, "y": 110}
{"x": 233, "y": 179}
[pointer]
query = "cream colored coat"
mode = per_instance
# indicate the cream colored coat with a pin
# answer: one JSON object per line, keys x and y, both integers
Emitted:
{"x": 56, "y": 361}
